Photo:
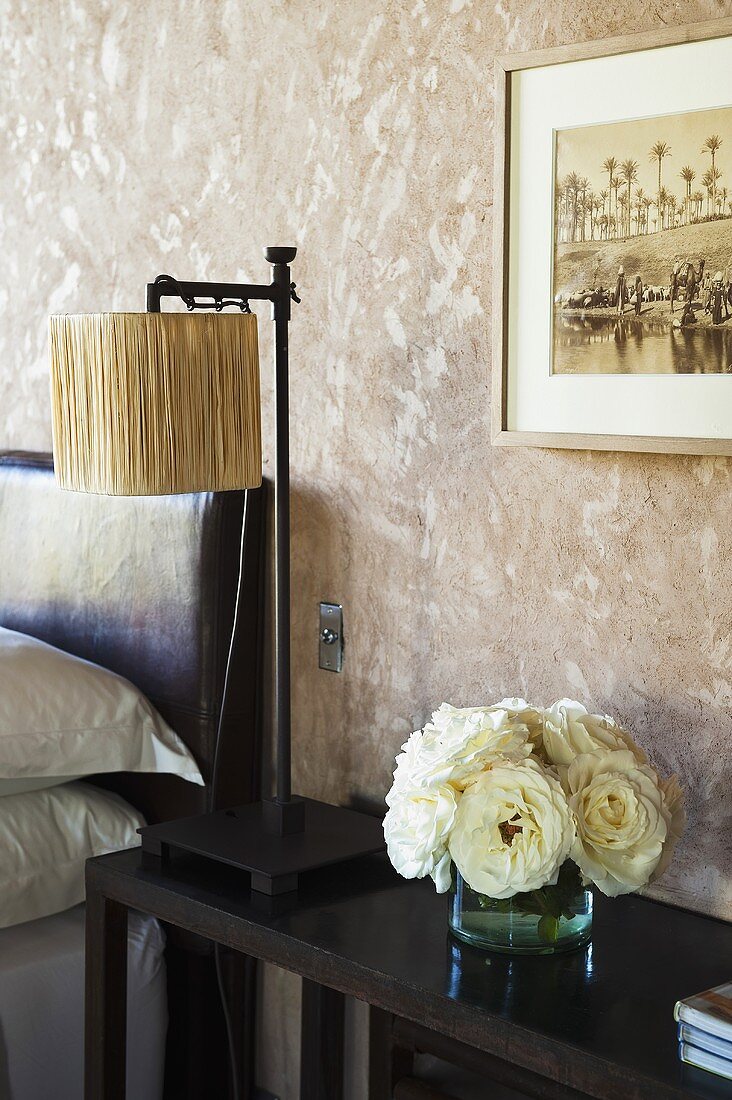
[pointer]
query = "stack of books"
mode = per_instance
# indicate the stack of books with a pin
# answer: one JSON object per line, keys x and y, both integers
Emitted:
{"x": 705, "y": 1030}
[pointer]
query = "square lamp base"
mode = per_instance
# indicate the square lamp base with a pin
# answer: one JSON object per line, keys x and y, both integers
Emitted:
{"x": 244, "y": 837}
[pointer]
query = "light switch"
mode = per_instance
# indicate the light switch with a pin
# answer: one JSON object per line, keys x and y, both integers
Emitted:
{"x": 331, "y": 637}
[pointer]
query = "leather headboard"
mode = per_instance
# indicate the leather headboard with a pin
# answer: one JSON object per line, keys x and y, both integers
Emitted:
{"x": 146, "y": 586}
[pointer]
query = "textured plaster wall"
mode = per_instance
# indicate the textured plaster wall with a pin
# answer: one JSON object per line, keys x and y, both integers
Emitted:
{"x": 182, "y": 136}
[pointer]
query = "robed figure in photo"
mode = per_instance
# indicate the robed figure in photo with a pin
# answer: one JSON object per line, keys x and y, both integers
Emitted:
{"x": 620, "y": 290}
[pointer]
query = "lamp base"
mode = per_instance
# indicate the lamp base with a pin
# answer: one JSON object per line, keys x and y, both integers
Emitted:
{"x": 243, "y": 837}
{"x": 283, "y": 818}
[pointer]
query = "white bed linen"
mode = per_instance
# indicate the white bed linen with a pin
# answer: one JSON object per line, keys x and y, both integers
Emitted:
{"x": 42, "y": 1008}
{"x": 61, "y": 715}
{"x": 46, "y": 838}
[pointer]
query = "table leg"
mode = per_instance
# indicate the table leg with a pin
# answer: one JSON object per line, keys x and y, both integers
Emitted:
{"x": 321, "y": 1051}
{"x": 389, "y": 1062}
{"x": 106, "y": 998}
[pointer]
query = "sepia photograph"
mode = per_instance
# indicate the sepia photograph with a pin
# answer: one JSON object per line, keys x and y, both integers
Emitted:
{"x": 642, "y": 279}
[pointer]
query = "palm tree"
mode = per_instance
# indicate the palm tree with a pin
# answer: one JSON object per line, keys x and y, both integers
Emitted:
{"x": 697, "y": 198}
{"x": 716, "y": 177}
{"x": 566, "y": 197}
{"x": 707, "y": 182}
{"x": 572, "y": 183}
{"x": 647, "y": 204}
{"x": 562, "y": 210}
{"x": 672, "y": 204}
{"x": 616, "y": 187}
{"x": 581, "y": 214}
{"x": 584, "y": 184}
{"x": 663, "y": 197}
{"x": 610, "y": 165}
{"x": 711, "y": 146}
{"x": 586, "y": 213}
{"x": 718, "y": 199}
{"x": 597, "y": 206}
{"x": 592, "y": 208}
{"x": 629, "y": 174}
{"x": 603, "y": 200}
{"x": 658, "y": 151}
{"x": 623, "y": 201}
{"x": 724, "y": 199}
{"x": 688, "y": 175}
{"x": 639, "y": 197}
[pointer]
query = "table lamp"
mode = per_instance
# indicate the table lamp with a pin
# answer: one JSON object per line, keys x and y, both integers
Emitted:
{"x": 150, "y": 404}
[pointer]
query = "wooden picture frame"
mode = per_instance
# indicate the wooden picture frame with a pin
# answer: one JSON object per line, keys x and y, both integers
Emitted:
{"x": 503, "y": 431}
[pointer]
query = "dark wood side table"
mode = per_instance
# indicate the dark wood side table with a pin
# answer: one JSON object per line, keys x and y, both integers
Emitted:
{"x": 594, "y": 1023}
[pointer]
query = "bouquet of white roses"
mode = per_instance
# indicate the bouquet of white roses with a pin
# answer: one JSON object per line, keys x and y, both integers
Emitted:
{"x": 510, "y": 792}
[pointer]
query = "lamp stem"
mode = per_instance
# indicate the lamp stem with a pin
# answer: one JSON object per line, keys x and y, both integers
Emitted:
{"x": 281, "y": 314}
{"x": 284, "y": 814}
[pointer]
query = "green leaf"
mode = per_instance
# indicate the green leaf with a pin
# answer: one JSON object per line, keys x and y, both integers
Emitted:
{"x": 548, "y": 928}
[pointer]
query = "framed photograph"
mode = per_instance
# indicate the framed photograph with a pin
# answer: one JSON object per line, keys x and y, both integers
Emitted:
{"x": 613, "y": 244}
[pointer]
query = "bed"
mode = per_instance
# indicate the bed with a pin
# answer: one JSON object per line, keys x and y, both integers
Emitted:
{"x": 145, "y": 587}
{"x": 42, "y": 1007}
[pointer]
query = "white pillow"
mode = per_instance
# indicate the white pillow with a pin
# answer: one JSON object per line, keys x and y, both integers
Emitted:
{"x": 45, "y": 839}
{"x": 20, "y": 786}
{"x": 62, "y": 716}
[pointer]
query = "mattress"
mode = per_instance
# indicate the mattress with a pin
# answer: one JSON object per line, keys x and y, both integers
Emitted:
{"x": 42, "y": 1008}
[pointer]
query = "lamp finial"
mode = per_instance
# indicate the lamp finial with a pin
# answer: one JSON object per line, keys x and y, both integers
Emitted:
{"x": 279, "y": 255}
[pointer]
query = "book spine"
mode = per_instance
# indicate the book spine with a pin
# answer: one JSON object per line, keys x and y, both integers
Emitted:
{"x": 699, "y": 1038}
{"x": 703, "y": 1020}
{"x": 693, "y": 1056}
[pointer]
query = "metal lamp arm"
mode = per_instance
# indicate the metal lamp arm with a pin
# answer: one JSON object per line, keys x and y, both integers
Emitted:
{"x": 223, "y": 294}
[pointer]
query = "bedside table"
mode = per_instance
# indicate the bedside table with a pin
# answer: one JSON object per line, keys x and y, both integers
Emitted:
{"x": 591, "y": 1023}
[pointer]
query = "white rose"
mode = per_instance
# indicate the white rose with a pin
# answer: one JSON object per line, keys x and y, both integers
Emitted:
{"x": 407, "y": 764}
{"x": 513, "y": 830}
{"x": 416, "y": 829}
{"x": 673, "y": 800}
{"x": 569, "y": 730}
{"x": 532, "y": 717}
{"x": 455, "y": 747}
{"x": 458, "y": 743}
{"x": 622, "y": 819}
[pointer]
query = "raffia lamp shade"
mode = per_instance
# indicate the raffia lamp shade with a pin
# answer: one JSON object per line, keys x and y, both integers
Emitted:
{"x": 146, "y": 404}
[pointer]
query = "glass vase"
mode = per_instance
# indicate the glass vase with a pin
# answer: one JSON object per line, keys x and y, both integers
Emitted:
{"x": 538, "y": 922}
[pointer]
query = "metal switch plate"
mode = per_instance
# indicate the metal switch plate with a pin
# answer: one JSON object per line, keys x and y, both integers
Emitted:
{"x": 330, "y": 647}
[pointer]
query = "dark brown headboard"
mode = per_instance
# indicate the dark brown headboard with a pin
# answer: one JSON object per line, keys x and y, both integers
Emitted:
{"x": 146, "y": 587}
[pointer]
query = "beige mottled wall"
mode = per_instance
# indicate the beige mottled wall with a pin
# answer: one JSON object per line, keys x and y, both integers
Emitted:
{"x": 181, "y": 136}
